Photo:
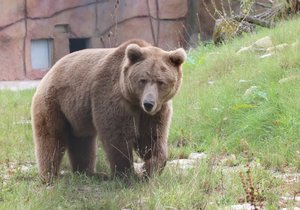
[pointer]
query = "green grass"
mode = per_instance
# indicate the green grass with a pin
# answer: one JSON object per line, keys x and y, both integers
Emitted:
{"x": 211, "y": 114}
{"x": 15, "y": 131}
{"x": 219, "y": 117}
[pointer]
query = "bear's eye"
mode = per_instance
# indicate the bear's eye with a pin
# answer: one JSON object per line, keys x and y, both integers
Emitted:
{"x": 142, "y": 81}
{"x": 160, "y": 83}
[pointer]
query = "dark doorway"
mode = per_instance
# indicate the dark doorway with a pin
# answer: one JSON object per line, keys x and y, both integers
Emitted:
{"x": 78, "y": 44}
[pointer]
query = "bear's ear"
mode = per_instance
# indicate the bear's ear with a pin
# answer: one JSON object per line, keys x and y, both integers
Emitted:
{"x": 177, "y": 57}
{"x": 134, "y": 53}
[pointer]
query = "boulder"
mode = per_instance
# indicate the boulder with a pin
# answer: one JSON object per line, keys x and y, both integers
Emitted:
{"x": 263, "y": 44}
{"x": 182, "y": 163}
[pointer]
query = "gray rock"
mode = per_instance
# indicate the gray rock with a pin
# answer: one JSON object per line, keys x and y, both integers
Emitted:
{"x": 210, "y": 82}
{"x": 291, "y": 199}
{"x": 260, "y": 45}
{"x": 182, "y": 163}
{"x": 230, "y": 160}
{"x": 138, "y": 167}
{"x": 250, "y": 90}
{"x": 266, "y": 55}
{"x": 287, "y": 79}
{"x": 245, "y": 49}
{"x": 245, "y": 206}
{"x": 288, "y": 177}
{"x": 243, "y": 81}
{"x": 277, "y": 48}
{"x": 263, "y": 43}
{"x": 197, "y": 156}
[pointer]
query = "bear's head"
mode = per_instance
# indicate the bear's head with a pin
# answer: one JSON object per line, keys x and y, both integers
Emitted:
{"x": 150, "y": 76}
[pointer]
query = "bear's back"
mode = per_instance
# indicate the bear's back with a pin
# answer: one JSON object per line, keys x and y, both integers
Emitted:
{"x": 68, "y": 84}
{"x": 75, "y": 66}
{"x": 73, "y": 71}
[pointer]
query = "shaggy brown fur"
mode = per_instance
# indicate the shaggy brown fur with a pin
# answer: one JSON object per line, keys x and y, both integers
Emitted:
{"x": 123, "y": 95}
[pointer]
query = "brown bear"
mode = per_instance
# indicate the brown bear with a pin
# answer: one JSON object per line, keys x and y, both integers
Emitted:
{"x": 122, "y": 95}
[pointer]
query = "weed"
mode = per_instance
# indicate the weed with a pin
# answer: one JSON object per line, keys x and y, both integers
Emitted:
{"x": 253, "y": 194}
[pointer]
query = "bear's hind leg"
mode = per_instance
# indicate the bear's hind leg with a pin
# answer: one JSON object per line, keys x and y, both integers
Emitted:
{"x": 51, "y": 137}
{"x": 82, "y": 154}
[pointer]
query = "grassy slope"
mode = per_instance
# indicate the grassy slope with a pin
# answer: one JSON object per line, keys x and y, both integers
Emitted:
{"x": 217, "y": 118}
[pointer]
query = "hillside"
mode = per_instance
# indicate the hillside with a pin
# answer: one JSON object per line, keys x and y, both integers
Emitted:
{"x": 214, "y": 112}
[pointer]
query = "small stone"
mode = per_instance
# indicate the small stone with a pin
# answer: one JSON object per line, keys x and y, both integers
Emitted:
{"x": 266, "y": 55}
{"x": 263, "y": 43}
{"x": 197, "y": 156}
{"x": 250, "y": 90}
{"x": 295, "y": 200}
{"x": 245, "y": 206}
{"x": 287, "y": 79}
{"x": 277, "y": 48}
{"x": 6, "y": 177}
{"x": 230, "y": 160}
{"x": 211, "y": 82}
{"x": 216, "y": 109}
{"x": 50, "y": 187}
{"x": 285, "y": 198}
{"x": 288, "y": 177}
{"x": 138, "y": 167}
{"x": 24, "y": 168}
{"x": 245, "y": 49}
{"x": 243, "y": 81}
{"x": 182, "y": 163}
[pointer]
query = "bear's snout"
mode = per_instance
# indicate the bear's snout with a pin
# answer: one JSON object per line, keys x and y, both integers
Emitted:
{"x": 148, "y": 105}
{"x": 149, "y": 99}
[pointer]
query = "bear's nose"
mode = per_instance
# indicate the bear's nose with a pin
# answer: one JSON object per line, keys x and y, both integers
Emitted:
{"x": 148, "y": 105}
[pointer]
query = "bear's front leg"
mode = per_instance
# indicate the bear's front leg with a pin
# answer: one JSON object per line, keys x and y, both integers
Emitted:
{"x": 152, "y": 145}
{"x": 119, "y": 154}
{"x": 157, "y": 161}
{"x": 117, "y": 141}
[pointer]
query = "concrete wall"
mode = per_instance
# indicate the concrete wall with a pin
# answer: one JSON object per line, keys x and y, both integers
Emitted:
{"x": 12, "y": 32}
{"x": 107, "y": 23}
